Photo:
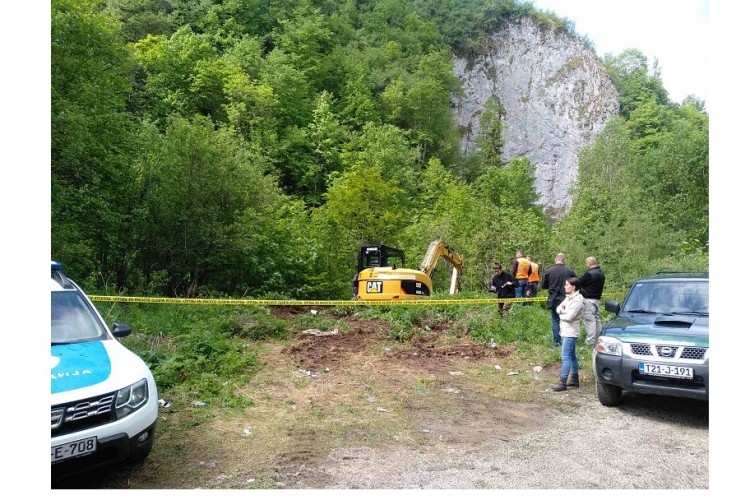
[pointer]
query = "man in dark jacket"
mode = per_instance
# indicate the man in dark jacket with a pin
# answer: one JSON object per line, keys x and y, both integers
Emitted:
{"x": 502, "y": 283}
{"x": 554, "y": 281}
{"x": 592, "y": 286}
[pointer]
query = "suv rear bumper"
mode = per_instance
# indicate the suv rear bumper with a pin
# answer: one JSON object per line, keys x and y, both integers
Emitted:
{"x": 623, "y": 372}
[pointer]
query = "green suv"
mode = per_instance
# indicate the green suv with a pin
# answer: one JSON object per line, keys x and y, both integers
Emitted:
{"x": 657, "y": 343}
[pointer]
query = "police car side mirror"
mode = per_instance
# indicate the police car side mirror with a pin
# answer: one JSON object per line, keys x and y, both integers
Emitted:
{"x": 121, "y": 330}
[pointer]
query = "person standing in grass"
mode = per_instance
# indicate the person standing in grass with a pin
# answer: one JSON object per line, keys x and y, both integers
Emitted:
{"x": 592, "y": 286}
{"x": 502, "y": 283}
{"x": 570, "y": 312}
{"x": 520, "y": 272}
{"x": 533, "y": 279}
{"x": 554, "y": 281}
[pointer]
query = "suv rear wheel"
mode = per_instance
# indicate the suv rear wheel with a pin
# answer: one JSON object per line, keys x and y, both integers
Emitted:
{"x": 609, "y": 395}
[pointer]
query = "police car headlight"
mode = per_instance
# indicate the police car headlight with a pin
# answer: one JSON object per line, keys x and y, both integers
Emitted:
{"x": 609, "y": 345}
{"x": 131, "y": 398}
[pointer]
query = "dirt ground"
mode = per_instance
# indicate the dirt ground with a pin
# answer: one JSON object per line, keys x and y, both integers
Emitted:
{"x": 356, "y": 409}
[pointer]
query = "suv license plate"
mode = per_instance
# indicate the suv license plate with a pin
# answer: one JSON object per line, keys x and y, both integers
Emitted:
{"x": 74, "y": 449}
{"x": 665, "y": 370}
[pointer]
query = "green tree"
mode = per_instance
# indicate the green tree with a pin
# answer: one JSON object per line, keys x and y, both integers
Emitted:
{"x": 143, "y": 17}
{"x": 326, "y": 136}
{"x": 386, "y": 149}
{"x": 478, "y": 222}
{"x": 511, "y": 185}
{"x": 613, "y": 217}
{"x": 630, "y": 75}
{"x": 361, "y": 207}
{"x": 674, "y": 177}
{"x": 490, "y": 142}
{"x": 168, "y": 68}
{"x": 307, "y": 38}
{"x": 93, "y": 139}
{"x": 291, "y": 86}
{"x": 195, "y": 183}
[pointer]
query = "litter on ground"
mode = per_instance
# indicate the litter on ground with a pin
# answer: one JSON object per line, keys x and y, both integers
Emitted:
{"x": 318, "y": 333}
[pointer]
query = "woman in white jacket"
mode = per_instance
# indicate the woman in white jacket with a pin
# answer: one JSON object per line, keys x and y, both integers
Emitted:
{"x": 570, "y": 311}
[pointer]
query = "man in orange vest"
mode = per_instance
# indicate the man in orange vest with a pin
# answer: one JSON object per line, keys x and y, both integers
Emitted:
{"x": 520, "y": 273}
{"x": 533, "y": 279}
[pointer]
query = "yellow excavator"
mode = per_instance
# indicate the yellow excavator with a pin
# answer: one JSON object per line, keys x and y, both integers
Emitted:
{"x": 381, "y": 274}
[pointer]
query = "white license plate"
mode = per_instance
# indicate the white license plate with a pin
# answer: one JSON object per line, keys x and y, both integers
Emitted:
{"x": 74, "y": 449}
{"x": 665, "y": 370}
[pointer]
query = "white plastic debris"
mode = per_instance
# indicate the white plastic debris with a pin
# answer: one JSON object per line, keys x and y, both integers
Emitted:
{"x": 371, "y": 399}
{"x": 384, "y": 410}
{"x": 451, "y": 390}
{"x": 247, "y": 431}
{"x": 426, "y": 328}
{"x": 164, "y": 404}
{"x": 512, "y": 373}
{"x": 319, "y": 333}
{"x": 456, "y": 373}
{"x": 199, "y": 403}
{"x": 426, "y": 430}
{"x": 537, "y": 369}
{"x": 493, "y": 344}
{"x": 326, "y": 370}
{"x": 314, "y": 312}
{"x": 498, "y": 367}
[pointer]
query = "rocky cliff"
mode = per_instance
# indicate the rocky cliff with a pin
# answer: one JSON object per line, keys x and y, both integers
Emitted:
{"x": 557, "y": 97}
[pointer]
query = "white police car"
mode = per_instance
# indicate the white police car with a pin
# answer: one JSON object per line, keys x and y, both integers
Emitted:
{"x": 104, "y": 400}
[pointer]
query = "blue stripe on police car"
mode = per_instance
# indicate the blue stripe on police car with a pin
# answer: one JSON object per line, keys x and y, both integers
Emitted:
{"x": 79, "y": 365}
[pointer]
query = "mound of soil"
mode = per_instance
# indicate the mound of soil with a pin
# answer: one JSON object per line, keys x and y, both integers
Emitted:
{"x": 317, "y": 352}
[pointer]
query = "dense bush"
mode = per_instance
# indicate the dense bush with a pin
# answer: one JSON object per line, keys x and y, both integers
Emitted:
{"x": 191, "y": 350}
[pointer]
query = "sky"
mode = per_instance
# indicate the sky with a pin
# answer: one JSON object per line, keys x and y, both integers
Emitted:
{"x": 675, "y": 32}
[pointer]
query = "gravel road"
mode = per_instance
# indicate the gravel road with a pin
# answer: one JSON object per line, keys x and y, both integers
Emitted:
{"x": 648, "y": 442}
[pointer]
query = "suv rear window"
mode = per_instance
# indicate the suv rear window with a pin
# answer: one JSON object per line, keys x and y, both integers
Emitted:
{"x": 73, "y": 320}
{"x": 668, "y": 297}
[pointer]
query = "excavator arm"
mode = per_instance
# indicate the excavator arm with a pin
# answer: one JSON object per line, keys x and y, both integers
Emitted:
{"x": 437, "y": 250}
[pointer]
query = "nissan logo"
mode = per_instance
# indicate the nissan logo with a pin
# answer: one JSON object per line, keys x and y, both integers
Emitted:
{"x": 665, "y": 351}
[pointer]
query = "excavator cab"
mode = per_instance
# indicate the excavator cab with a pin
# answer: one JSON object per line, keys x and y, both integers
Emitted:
{"x": 380, "y": 256}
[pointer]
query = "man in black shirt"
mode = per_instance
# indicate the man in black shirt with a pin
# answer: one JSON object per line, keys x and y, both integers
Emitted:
{"x": 592, "y": 286}
{"x": 502, "y": 283}
{"x": 554, "y": 281}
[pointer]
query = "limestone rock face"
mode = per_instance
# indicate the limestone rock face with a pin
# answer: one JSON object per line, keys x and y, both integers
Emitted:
{"x": 557, "y": 97}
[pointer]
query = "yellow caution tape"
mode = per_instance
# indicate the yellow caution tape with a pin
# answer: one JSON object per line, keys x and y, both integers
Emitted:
{"x": 259, "y": 302}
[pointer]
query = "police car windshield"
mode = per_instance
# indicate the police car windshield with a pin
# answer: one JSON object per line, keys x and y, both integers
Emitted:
{"x": 72, "y": 319}
{"x": 669, "y": 297}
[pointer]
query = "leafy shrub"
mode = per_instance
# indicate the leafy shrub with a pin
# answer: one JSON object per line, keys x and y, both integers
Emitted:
{"x": 192, "y": 350}
{"x": 261, "y": 328}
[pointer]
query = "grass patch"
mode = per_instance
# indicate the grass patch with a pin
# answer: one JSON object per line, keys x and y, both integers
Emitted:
{"x": 193, "y": 351}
